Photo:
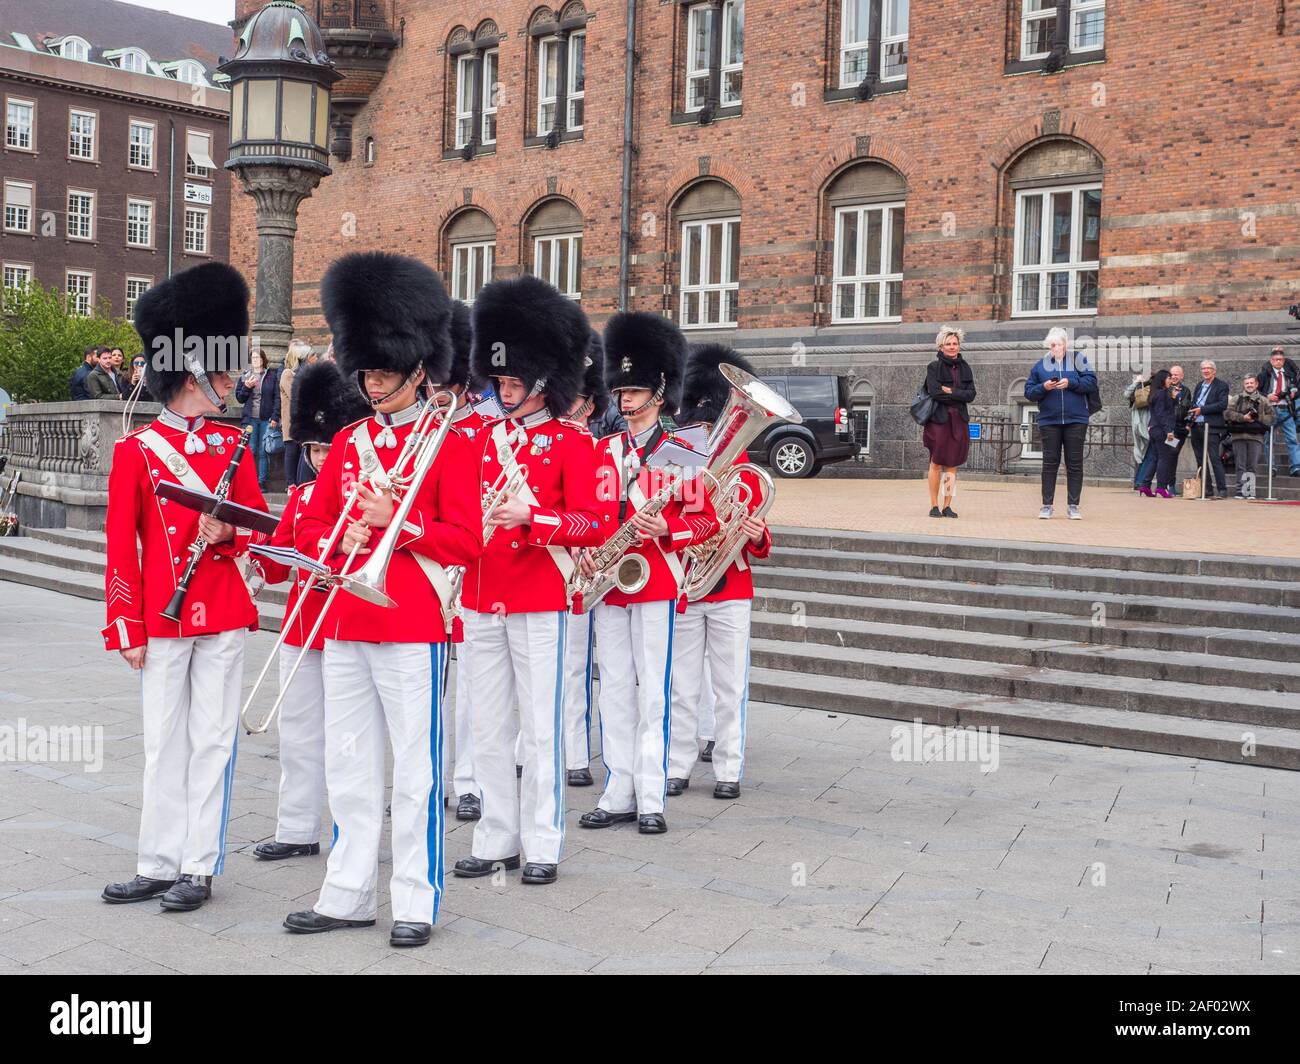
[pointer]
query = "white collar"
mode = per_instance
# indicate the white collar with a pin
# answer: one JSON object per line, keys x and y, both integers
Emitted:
{"x": 462, "y": 412}
{"x": 402, "y": 417}
{"x": 643, "y": 437}
{"x": 534, "y": 419}
{"x": 174, "y": 420}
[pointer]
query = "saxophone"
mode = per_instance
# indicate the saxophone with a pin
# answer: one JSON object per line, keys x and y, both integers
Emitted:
{"x": 615, "y": 566}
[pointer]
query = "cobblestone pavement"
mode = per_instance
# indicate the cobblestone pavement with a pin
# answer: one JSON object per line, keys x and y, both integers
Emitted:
{"x": 837, "y": 858}
{"x": 1113, "y": 516}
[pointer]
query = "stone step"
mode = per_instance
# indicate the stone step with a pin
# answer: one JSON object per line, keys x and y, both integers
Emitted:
{"x": 1268, "y": 592}
{"x": 831, "y": 634}
{"x": 1050, "y": 685}
{"x": 1116, "y": 607}
{"x": 1016, "y": 551}
{"x": 1214, "y": 740}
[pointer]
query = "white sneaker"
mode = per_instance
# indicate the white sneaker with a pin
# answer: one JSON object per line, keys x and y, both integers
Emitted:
{"x": 1074, "y": 514}
{"x": 1045, "y": 513}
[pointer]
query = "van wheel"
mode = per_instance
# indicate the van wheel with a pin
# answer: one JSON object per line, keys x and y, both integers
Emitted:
{"x": 791, "y": 458}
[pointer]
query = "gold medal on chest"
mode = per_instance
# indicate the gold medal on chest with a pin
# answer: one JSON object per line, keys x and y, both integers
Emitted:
{"x": 177, "y": 464}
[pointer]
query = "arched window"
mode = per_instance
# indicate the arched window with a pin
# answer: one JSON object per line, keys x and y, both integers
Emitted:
{"x": 473, "y": 86}
{"x": 708, "y": 221}
{"x": 1024, "y": 420}
{"x": 471, "y": 241}
{"x": 370, "y": 151}
{"x": 554, "y": 236}
{"x": 860, "y": 399}
{"x": 558, "y": 55}
{"x": 865, "y": 204}
{"x": 134, "y": 60}
{"x": 872, "y": 42}
{"x": 75, "y": 48}
{"x": 1055, "y": 189}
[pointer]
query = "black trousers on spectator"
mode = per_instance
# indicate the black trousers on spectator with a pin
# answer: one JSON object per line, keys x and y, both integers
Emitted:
{"x": 1218, "y": 478}
{"x": 1070, "y": 439}
{"x": 1167, "y": 465}
{"x": 292, "y": 452}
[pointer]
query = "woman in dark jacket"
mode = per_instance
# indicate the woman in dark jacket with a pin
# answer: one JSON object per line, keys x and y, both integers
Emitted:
{"x": 1163, "y": 433}
{"x": 951, "y": 384}
{"x": 259, "y": 391}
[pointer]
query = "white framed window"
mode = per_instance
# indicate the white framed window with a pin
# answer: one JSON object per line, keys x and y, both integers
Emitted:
{"x": 17, "y": 274}
{"x": 1057, "y": 251}
{"x": 135, "y": 288}
{"x": 20, "y": 207}
{"x": 558, "y": 259}
{"x": 198, "y": 154}
{"x": 134, "y": 60}
{"x": 490, "y": 92}
{"x": 868, "y": 276}
{"x": 464, "y": 100}
{"x": 196, "y": 230}
{"x": 81, "y": 134}
{"x": 81, "y": 215}
{"x": 855, "y": 41}
{"x": 1031, "y": 441}
{"x": 187, "y": 71}
{"x": 860, "y": 420}
{"x": 700, "y": 29}
{"x": 20, "y": 124}
{"x": 699, "y": 54}
{"x": 733, "y": 50}
{"x": 1087, "y": 25}
{"x": 139, "y": 223}
{"x": 710, "y": 273}
{"x": 548, "y": 83}
{"x": 577, "y": 80}
{"x": 471, "y": 268}
{"x": 140, "y": 145}
{"x": 1037, "y": 27}
{"x": 370, "y": 151}
{"x": 75, "y": 48}
{"x": 80, "y": 288}
{"x": 894, "y": 19}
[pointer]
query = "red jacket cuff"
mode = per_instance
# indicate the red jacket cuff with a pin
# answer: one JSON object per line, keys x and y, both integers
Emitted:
{"x": 123, "y": 633}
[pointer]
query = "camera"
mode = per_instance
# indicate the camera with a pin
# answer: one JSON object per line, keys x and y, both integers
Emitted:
{"x": 1294, "y": 310}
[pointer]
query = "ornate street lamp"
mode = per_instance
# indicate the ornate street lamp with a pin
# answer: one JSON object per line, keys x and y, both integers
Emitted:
{"x": 280, "y": 80}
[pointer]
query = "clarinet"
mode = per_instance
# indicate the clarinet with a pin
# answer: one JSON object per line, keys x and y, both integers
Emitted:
{"x": 200, "y": 545}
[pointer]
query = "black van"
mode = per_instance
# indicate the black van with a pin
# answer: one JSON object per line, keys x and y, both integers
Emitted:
{"x": 825, "y": 435}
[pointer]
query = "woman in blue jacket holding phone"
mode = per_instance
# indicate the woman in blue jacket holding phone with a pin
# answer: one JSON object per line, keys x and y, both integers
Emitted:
{"x": 1060, "y": 384}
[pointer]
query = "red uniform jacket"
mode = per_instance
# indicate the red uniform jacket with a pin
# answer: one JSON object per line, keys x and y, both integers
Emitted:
{"x": 274, "y": 572}
{"x": 138, "y": 583}
{"x": 469, "y": 423}
{"x": 738, "y": 581}
{"x": 689, "y": 515}
{"x": 444, "y": 525}
{"x": 516, "y": 571}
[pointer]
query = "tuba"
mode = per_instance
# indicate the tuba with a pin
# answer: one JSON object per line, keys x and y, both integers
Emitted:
{"x": 753, "y": 406}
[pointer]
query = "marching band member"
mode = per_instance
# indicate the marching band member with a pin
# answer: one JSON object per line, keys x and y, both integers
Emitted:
{"x": 645, "y": 358}
{"x": 592, "y": 403}
{"x": 384, "y": 666}
{"x": 711, "y": 641}
{"x": 190, "y": 669}
{"x": 323, "y": 403}
{"x": 539, "y": 479}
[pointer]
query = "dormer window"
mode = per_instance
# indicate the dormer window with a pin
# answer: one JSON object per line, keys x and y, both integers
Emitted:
{"x": 134, "y": 60}
{"x": 77, "y": 48}
{"x": 186, "y": 70}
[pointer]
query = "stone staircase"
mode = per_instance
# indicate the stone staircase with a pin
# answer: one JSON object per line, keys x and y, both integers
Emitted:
{"x": 1196, "y": 655}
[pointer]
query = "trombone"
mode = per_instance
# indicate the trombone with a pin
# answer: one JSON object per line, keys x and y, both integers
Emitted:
{"x": 419, "y": 451}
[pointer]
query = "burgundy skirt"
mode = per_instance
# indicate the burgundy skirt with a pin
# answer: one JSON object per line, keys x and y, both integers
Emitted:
{"x": 948, "y": 442}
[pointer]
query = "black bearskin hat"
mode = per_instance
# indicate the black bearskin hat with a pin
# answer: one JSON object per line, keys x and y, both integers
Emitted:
{"x": 705, "y": 391}
{"x": 324, "y": 402}
{"x": 207, "y": 302}
{"x": 593, "y": 381}
{"x": 387, "y": 312}
{"x": 524, "y": 328}
{"x": 644, "y": 350}
{"x": 462, "y": 339}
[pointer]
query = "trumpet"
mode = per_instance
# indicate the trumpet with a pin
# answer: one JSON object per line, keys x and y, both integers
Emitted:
{"x": 419, "y": 451}
{"x": 506, "y": 485}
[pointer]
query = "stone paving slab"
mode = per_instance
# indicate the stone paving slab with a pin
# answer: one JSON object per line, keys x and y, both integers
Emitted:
{"x": 836, "y": 860}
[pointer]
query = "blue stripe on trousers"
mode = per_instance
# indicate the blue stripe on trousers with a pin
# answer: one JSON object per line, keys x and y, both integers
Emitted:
{"x": 591, "y": 645}
{"x": 227, "y": 786}
{"x": 558, "y": 742}
{"x": 744, "y": 709}
{"x": 433, "y": 839}
{"x": 668, "y": 688}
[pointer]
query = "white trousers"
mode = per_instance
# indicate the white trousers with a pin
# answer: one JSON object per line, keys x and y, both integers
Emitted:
{"x": 302, "y": 749}
{"x": 711, "y": 652}
{"x": 634, "y": 645}
{"x": 191, "y": 691}
{"x": 704, "y": 731}
{"x": 514, "y": 660}
{"x": 456, "y": 723}
{"x": 371, "y": 688}
{"x": 579, "y": 650}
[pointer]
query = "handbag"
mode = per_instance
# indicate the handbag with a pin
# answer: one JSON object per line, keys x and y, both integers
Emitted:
{"x": 273, "y": 442}
{"x": 1192, "y": 488}
{"x": 1094, "y": 402}
{"x": 1142, "y": 397}
{"x": 922, "y": 407}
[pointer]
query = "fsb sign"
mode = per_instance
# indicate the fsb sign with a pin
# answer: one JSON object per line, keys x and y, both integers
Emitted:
{"x": 198, "y": 193}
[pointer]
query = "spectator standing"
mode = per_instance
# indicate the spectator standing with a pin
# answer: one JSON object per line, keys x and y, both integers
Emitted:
{"x": 1279, "y": 380}
{"x": 259, "y": 391}
{"x": 1060, "y": 384}
{"x": 299, "y": 354}
{"x": 1209, "y": 402}
{"x": 1249, "y": 419}
{"x": 1138, "y": 396}
{"x": 136, "y": 379}
{"x": 102, "y": 383}
{"x": 950, "y": 382}
{"x": 119, "y": 371}
{"x": 77, "y": 384}
{"x": 1166, "y": 430}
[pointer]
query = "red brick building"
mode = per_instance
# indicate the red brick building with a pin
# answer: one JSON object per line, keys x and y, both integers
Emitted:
{"x": 115, "y": 129}
{"x": 822, "y": 182}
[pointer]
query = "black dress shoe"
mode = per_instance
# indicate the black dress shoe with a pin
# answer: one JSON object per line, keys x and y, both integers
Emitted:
{"x": 675, "y": 787}
{"x": 476, "y": 867}
{"x": 278, "y": 851}
{"x": 948, "y": 511}
{"x": 579, "y": 777}
{"x": 935, "y": 511}
{"x": 708, "y": 751}
{"x": 726, "y": 790}
{"x": 187, "y": 894}
{"x": 469, "y": 807}
{"x": 313, "y": 923}
{"x": 141, "y": 888}
{"x": 601, "y": 818}
{"x": 652, "y": 824}
{"x": 407, "y": 933}
{"x": 539, "y": 873}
